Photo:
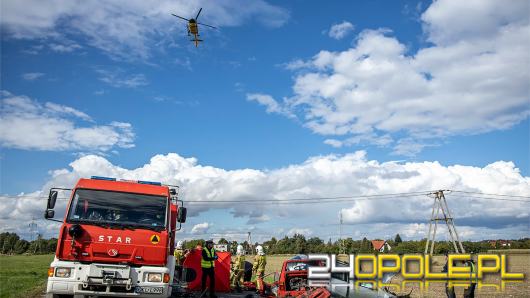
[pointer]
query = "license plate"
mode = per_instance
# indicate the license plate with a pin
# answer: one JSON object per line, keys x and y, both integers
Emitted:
{"x": 149, "y": 290}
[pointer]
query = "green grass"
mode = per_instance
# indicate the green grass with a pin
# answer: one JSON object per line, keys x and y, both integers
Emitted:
{"x": 23, "y": 276}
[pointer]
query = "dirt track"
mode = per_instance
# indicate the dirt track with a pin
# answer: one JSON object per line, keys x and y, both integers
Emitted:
{"x": 519, "y": 263}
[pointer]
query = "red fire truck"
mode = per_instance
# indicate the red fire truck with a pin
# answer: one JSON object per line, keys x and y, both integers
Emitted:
{"x": 116, "y": 239}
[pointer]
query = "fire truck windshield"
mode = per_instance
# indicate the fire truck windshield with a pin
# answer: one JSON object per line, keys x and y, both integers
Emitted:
{"x": 118, "y": 209}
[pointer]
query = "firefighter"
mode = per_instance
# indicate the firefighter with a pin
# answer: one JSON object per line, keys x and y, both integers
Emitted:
{"x": 469, "y": 292}
{"x": 208, "y": 265}
{"x": 180, "y": 255}
{"x": 238, "y": 268}
{"x": 258, "y": 269}
{"x": 449, "y": 288}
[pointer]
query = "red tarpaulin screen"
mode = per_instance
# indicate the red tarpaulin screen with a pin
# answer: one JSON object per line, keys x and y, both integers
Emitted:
{"x": 222, "y": 271}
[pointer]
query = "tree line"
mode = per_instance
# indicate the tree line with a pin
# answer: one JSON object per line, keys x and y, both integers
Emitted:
{"x": 11, "y": 243}
{"x": 299, "y": 244}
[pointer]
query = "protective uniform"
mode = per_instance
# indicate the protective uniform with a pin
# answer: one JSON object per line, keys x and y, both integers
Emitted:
{"x": 260, "y": 261}
{"x": 208, "y": 265}
{"x": 238, "y": 268}
{"x": 179, "y": 259}
{"x": 449, "y": 288}
{"x": 469, "y": 292}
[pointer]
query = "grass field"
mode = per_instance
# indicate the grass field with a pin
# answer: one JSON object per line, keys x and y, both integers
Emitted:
{"x": 23, "y": 276}
{"x": 274, "y": 264}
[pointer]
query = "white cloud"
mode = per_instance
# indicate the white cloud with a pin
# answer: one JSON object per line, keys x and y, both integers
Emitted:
{"x": 201, "y": 228}
{"x": 334, "y": 143}
{"x": 409, "y": 147}
{"x": 185, "y": 63}
{"x": 29, "y": 125}
{"x": 33, "y": 50}
{"x": 296, "y": 64}
{"x": 258, "y": 219}
{"x": 32, "y": 76}
{"x": 318, "y": 177}
{"x": 339, "y": 31}
{"x": 127, "y": 29}
{"x": 472, "y": 79}
{"x": 270, "y": 103}
{"x": 60, "y": 109}
{"x": 64, "y": 48}
{"x": 120, "y": 79}
{"x": 372, "y": 139}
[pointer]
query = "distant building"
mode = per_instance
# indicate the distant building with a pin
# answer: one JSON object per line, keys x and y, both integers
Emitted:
{"x": 505, "y": 243}
{"x": 381, "y": 245}
{"x": 500, "y": 243}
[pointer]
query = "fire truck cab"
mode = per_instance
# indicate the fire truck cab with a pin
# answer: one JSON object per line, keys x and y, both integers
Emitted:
{"x": 116, "y": 239}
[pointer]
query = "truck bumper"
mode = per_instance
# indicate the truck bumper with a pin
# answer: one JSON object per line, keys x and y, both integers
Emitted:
{"x": 108, "y": 280}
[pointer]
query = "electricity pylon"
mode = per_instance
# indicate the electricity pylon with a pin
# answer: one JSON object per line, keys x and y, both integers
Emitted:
{"x": 341, "y": 244}
{"x": 250, "y": 244}
{"x": 441, "y": 204}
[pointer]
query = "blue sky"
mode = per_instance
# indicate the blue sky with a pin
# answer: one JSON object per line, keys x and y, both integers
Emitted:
{"x": 279, "y": 85}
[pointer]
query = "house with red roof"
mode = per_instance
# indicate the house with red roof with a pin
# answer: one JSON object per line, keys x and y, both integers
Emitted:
{"x": 381, "y": 245}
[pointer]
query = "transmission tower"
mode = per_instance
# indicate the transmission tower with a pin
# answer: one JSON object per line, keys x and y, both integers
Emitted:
{"x": 33, "y": 230}
{"x": 250, "y": 244}
{"x": 34, "y": 235}
{"x": 341, "y": 242}
{"x": 440, "y": 204}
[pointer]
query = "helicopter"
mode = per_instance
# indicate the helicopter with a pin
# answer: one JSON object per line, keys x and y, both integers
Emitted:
{"x": 193, "y": 28}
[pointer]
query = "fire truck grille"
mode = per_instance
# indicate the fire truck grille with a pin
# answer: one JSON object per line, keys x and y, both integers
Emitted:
{"x": 113, "y": 289}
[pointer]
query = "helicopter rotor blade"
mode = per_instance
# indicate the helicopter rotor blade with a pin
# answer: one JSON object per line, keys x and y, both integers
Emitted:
{"x": 207, "y": 25}
{"x": 198, "y": 14}
{"x": 180, "y": 17}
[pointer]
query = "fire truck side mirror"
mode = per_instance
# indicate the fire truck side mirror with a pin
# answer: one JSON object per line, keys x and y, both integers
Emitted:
{"x": 52, "y": 198}
{"x": 181, "y": 214}
{"x": 50, "y": 213}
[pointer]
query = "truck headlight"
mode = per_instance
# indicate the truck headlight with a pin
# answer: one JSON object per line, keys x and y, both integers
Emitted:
{"x": 154, "y": 277}
{"x": 63, "y": 272}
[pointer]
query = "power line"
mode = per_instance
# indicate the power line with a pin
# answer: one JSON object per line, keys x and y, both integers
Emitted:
{"x": 359, "y": 197}
{"x": 495, "y": 199}
{"x": 347, "y": 199}
{"x": 490, "y": 194}
{"x": 338, "y": 199}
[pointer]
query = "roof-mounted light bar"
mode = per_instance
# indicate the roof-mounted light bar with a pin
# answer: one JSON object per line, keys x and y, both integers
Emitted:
{"x": 150, "y": 182}
{"x": 103, "y": 178}
{"x": 125, "y": 180}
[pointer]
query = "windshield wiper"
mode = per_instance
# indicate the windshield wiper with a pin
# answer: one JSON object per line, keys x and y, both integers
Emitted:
{"x": 115, "y": 225}
{"x": 90, "y": 222}
{"x": 147, "y": 227}
{"x": 129, "y": 227}
{"x": 104, "y": 224}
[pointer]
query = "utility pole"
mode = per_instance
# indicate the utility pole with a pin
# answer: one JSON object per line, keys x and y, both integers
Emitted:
{"x": 341, "y": 247}
{"x": 440, "y": 204}
{"x": 33, "y": 230}
{"x": 249, "y": 240}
